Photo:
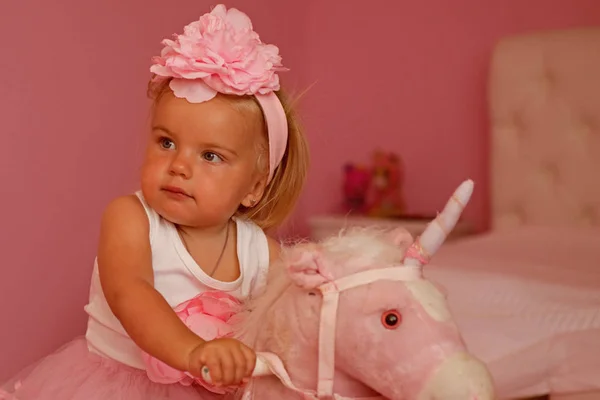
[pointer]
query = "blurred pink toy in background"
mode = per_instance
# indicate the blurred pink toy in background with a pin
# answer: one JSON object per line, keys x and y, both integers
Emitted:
{"x": 385, "y": 192}
{"x": 357, "y": 179}
{"x": 375, "y": 190}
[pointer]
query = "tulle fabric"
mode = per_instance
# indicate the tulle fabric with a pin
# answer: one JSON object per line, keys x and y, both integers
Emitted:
{"x": 73, "y": 373}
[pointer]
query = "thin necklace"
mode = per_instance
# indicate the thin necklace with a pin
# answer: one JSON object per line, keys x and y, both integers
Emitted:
{"x": 222, "y": 251}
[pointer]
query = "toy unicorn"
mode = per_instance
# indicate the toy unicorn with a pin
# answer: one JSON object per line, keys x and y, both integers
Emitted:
{"x": 353, "y": 317}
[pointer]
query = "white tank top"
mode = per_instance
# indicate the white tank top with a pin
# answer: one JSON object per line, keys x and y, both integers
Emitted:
{"x": 177, "y": 278}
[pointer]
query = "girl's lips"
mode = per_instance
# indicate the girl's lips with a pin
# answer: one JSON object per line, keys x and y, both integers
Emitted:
{"x": 174, "y": 190}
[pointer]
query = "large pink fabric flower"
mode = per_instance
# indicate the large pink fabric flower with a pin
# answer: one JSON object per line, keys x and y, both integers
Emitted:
{"x": 208, "y": 316}
{"x": 219, "y": 53}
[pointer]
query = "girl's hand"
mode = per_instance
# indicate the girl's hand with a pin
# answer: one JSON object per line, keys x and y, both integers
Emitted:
{"x": 229, "y": 361}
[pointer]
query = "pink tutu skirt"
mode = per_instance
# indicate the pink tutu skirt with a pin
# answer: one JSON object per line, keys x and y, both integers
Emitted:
{"x": 73, "y": 373}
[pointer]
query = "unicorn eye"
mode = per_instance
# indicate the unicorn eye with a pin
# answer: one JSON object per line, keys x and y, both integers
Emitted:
{"x": 391, "y": 319}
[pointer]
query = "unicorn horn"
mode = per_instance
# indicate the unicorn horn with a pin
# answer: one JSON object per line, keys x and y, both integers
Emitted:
{"x": 438, "y": 230}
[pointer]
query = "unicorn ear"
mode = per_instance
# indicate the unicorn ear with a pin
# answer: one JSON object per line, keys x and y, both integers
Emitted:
{"x": 303, "y": 263}
{"x": 401, "y": 237}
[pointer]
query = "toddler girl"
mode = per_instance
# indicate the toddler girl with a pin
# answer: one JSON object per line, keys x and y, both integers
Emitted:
{"x": 225, "y": 160}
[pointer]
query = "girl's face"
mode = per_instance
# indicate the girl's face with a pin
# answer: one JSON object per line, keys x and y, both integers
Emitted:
{"x": 201, "y": 161}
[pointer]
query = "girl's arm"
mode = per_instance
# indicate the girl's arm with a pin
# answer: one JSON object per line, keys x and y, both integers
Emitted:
{"x": 125, "y": 268}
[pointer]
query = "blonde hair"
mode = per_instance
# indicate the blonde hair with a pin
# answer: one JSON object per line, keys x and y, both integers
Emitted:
{"x": 282, "y": 193}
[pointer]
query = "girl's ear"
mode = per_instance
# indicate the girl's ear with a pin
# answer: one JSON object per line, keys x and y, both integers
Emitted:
{"x": 256, "y": 192}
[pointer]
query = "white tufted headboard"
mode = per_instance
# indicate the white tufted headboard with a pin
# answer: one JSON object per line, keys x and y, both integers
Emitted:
{"x": 544, "y": 93}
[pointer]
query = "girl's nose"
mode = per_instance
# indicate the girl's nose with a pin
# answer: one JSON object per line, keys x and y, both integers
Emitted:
{"x": 180, "y": 166}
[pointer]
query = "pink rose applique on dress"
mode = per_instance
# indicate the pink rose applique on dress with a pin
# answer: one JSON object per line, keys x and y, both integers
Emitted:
{"x": 208, "y": 316}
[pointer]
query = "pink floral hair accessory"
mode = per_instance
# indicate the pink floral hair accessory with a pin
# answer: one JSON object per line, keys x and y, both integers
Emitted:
{"x": 221, "y": 53}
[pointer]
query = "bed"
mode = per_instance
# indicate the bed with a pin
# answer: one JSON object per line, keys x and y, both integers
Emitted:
{"x": 526, "y": 294}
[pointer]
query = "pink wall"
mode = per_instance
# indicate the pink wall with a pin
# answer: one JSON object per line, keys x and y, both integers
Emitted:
{"x": 73, "y": 109}
{"x": 411, "y": 76}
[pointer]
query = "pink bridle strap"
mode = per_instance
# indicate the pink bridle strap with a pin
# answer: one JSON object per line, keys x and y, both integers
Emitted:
{"x": 331, "y": 292}
{"x": 276, "y": 367}
{"x": 277, "y": 128}
{"x": 417, "y": 252}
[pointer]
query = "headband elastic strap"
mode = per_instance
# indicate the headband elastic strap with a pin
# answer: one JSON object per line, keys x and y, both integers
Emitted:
{"x": 277, "y": 129}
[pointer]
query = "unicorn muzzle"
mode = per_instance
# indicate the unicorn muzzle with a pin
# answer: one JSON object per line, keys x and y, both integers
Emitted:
{"x": 460, "y": 377}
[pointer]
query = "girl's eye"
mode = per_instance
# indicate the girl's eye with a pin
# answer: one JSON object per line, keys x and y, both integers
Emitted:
{"x": 166, "y": 143}
{"x": 391, "y": 319}
{"x": 212, "y": 157}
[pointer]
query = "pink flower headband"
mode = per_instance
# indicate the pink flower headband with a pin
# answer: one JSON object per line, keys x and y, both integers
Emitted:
{"x": 220, "y": 53}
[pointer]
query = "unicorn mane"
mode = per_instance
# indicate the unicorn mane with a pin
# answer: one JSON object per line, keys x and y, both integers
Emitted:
{"x": 247, "y": 327}
{"x": 363, "y": 247}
